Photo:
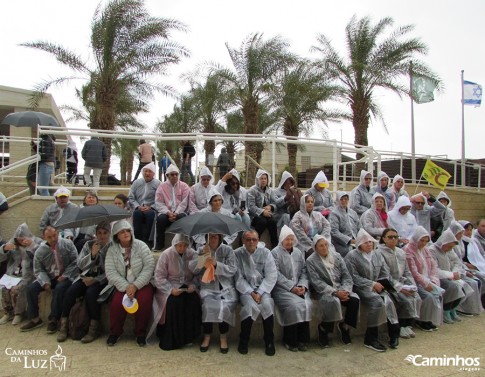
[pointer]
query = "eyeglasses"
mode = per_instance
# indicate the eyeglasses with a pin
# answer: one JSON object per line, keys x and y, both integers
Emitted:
{"x": 393, "y": 237}
{"x": 173, "y": 174}
{"x": 251, "y": 239}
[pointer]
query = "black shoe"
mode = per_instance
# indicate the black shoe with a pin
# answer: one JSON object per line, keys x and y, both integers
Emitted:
{"x": 376, "y": 346}
{"x": 141, "y": 341}
{"x": 242, "y": 348}
{"x": 112, "y": 339}
{"x": 302, "y": 347}
{"x": 344, "y": 334}
{"x": 290, "y": 348}
{"x": 394, "y": 343}
{"x": 425, "y": 326}
{"x": 432, "y": 327}
{"x": 224, "y": 350}
{"x": 322, "y": 337}
{"x": 270, "y": 350}
{"x": 52, "y": 327}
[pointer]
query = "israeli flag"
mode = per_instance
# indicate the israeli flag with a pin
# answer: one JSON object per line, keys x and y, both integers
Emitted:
{"x": 472, "y": 93}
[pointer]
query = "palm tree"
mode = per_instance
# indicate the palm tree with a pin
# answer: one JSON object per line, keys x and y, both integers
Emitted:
{"x": 297, "y": 95}
{"x": 254, "y": 64}
{"x": 128, "y": 47}
{"x": 125, "y": 149}
{"x": 375, "y": 60}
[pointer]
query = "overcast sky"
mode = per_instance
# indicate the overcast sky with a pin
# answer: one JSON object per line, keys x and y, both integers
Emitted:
{"x": 452, "y": 30}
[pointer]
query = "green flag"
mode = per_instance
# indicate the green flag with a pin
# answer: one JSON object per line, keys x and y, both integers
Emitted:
{"x": 423, "y": 88}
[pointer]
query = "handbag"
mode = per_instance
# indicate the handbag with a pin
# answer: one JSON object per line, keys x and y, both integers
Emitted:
{"x": 106, "y": 294}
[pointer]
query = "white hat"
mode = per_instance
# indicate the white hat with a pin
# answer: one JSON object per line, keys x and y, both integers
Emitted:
{"x": 62, "y": 191}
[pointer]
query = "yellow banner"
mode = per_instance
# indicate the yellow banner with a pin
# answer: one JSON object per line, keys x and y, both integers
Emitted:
{"x": 435, "y": 175}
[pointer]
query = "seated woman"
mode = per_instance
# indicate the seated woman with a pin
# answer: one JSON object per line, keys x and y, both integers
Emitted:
{"x": 89, "y": 284}
{"x": 217, "y": 291}
{"x": 369, "y": 271}
{"x": 374, "y": 220}
{"x": 307, "y": 223}
{"x": 234, "y": 195}
{"x": 121, "y": 200}
{"x": 407, "y": 301}
{"x": 424, "y": 269}
{"x": 290, "y": 294}
{"x": 323, "y": 197}
{"x": 344, "y": 223}
{"x": 129, "y": 267}
{"x": 86, "y": 233}
{"x": 331, "y": 280}
{"x": 18, "y": 252}
{"x": 401, "y": 219}
{"x": 287, "y": 199}
{"x": 383, "y": 188}
{"x": 178, "y": 311}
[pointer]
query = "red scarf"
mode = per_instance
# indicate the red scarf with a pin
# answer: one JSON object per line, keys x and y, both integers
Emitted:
{"x": 383, "y": 215}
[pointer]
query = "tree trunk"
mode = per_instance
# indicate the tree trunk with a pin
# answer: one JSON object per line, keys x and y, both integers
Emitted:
{"x": 289, "y": 129}
{"x": 360, "y": 121}
{"x": 250, "y": 112}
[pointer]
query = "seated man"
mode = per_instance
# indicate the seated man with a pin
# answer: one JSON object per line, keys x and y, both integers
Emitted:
{"x": 55, "y": 211}
{"x": 55, "y": 268}
{"x": 142, "y": 200}
{"x": 172, "y": 201}
{"x": 255, "y": 278}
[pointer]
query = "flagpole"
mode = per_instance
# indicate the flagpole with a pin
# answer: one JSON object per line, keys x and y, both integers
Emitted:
{"x": 463, "y": 180}
{"x": 413, "y": 147}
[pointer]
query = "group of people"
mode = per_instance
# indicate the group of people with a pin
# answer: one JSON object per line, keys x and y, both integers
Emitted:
{"x": 319, "y": 246}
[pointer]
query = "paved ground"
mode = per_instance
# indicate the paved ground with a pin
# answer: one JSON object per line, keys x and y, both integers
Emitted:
{"x": 465, "y": 339}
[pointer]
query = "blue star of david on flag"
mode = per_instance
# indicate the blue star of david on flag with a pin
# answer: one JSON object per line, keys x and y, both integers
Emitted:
{"x": 472, "y": 93}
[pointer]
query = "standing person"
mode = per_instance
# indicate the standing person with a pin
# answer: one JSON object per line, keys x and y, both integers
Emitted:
{"x": 146, "y": 155}
{"x": 178, "y": 311}
{"x": 18, "y": 253}
{"x": 344, "y": 224}
{"x": 129, "y": 268}
{"x": 55, "y": 269}
{"x": 47, "y": 161}
{"x": 70, "y": 154}
{"x": 368, "y": 271}
{"x": 291, "y": 292}
{"x": 163, "y": 164}
{"x": 397, "y": 189}
{"x": 89, "y": 284}
{"x": 323, "y": 197}
{"x": 95, "y": 155}
{"x": 361, "y": 195}
{"x": 218, "y": 292}
{"x": 223, "y": 163}
{"x": 332, "y": 282}
{"x": 188, "y": 151}
{"x": 256, "y": 277}
{"x": 142, "y": 199}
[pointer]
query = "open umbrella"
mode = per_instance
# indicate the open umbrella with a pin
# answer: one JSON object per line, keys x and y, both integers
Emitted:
{"x": 30, "y": 119}
{"x": 207, "y": 222}
{"x": 92, "y": 215}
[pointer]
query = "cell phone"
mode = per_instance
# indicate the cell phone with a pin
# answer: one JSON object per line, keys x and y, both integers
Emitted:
{"x": 243, "y": 205}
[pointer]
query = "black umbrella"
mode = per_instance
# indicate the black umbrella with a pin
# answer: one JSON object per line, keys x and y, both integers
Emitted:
{"x": 30, "y": 119}
{"x": 92, "y": 215}
{"x": 207, "y": 222}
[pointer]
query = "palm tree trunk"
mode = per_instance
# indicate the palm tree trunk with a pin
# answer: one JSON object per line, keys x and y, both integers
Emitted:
{"x": 250, "y": 112}
{"x": 289, "y": 129}
{"x": 360, "y": 121}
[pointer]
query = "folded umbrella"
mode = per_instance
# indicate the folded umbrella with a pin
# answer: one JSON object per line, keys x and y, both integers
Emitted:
{"x": 207, "y": 222}
{"x": 91, "y": 215}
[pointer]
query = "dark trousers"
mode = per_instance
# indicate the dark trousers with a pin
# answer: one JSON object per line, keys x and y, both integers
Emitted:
{"x": 142, "y": 224}
{"x": 297, "y": 333}
{"x": 162, "y": 224}
{"x": 352, "y": 312}
{"x": 71, "y": 170}
{"x": 260, "y": 223}
{"x": 91, "y": 293}
{"x": 247, "y": 324}
{"x": 140, "y": 166}
{"x": 208, "y": 326}
{"x": 58, "y": 289}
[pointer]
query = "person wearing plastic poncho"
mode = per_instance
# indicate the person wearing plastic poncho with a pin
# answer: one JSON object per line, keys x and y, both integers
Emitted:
{"x": 291, "y": 292}
{"x": 307, "y": 223}
{"x": 53, "y": 213}
{"x": 449, "y": 272}
{"x": 374, "y": 220}
{"x": 129, "y": 268}
{"x": 407, "y": 300}
{"x": 401, "y": 219}
{"x": 323, "y": 197}
{"x": 255, "y": 278}
{"x": 332, "y": 282}
{"x": 215, "y": 203}
{"x": 361, "y": 196}
{"x": 397, "y": 189}
{"x": 18, "y": 252}
{"x": 176, "y": 308}
{"x": 479, "y": 236}
{"x": 344, "y": 224}
{"x": 287, "y": 200}
{"x": 234, "y": 195}
{"x": 217, "y": 291}
{"x": 423, "y": 212}
{"x": 262, "y": 206}
{"x": 199, "y": 197}
{"x": 369, "y": 271}
{"x": 424, "y": 270}
{"x": 448, "y": 215}
{"x": 383, "y": 188}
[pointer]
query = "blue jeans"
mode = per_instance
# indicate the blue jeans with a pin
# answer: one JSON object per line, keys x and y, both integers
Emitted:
{"x": 58, "y": 290}
{"x": 44, "y": 177}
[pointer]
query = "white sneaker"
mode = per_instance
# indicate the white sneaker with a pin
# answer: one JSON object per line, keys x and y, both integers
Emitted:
{"x": 411, "y": 333}
{"x": 6, "y": 319}
{"x": 17, "y": 319}
{"x": 404, "y": 333}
